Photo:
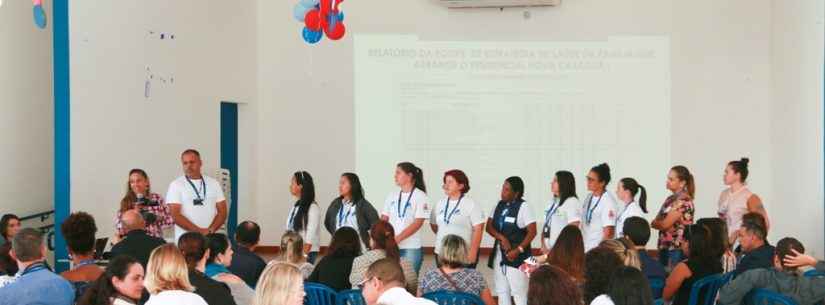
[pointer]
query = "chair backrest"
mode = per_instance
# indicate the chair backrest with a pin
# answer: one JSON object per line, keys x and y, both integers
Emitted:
{"x": 659, "y": 302}
{"x": 446, "y": 297}
{"x": 708, "y": 287}
{"x": 814, "y": 273}
{"x": 657, "y": 285}
{"x": 350, "y": 297}
{"x": 767, "y": 297}
{"x": 318, "y": 294}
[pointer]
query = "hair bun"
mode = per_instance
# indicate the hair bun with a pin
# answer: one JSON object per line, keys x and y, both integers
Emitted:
{"x": 745, "y": 161}
{"x": 604, "y": 165}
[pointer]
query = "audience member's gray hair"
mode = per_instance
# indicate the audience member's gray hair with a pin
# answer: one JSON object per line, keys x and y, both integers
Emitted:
{"x": 27, "y": 245}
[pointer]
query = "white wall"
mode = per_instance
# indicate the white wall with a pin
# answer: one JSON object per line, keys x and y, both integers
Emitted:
{"x": 27, "y": 116}
{"x": 797, "y": 60}
{"x": 722, "y": 96}
{"x": 114, "y": 127}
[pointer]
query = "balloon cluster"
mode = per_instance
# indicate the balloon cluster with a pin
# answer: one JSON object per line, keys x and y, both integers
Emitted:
{"x": 320, "y": 17}
{"x": 39, "y": 14}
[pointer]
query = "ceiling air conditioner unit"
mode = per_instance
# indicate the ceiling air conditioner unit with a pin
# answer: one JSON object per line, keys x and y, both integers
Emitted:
{"x": 497, "y": 3}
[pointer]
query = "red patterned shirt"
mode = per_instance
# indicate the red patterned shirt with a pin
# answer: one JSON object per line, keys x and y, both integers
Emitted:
{"x": 671, "y": 239}
{"x": 164, "y": 218}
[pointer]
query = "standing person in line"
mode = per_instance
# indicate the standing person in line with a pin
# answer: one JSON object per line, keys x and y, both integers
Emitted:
{"x": 197, "y": 201}
{"x": 407, "y": 210}
{"x": 737, "y": 200}
{"x": 458, "y": 215}
{"x": 305, "y": 215}
{"x": 512, "y": 226}
{"x": 627, "y": 190}
{"x": 599, "y": 210}
{"x": 674, "y": 216}
{"x": 351, "y": 209}
{"x": 562, "y": 211}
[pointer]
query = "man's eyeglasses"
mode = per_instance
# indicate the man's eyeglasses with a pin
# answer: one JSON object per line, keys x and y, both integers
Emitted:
{"x": 364, "y": 282}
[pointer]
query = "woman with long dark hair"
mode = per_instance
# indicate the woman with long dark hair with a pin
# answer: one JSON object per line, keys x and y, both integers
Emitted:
{"x": 305, "y": 215}
{"x": 562, "y": 211}
{"x": 675, "y": 214}
{"x": 383, "y": 245}
{"x": 568, "y": 253}
{"x": 151, "y": 206}
{"x": 626, "y": 190}
{"x": 599, "y": 211}
{"x": 550, "y": 285}
{"x": 702, "y": 261}
{"x": 407, "y": 209}
{"x": 628, "y": 286}
{"x": 351, "y": 209}
{"x": 335, "y": 267}
{"x": 120, "y": 284}
{"x": 9, "y": 225}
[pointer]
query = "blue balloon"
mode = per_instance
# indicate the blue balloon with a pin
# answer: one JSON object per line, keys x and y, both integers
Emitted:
{"x": 341, "y": 16}
{"x": 39, "y": 16}
{"x": 311, "y": 36}
{"x": 310, "y": 3}
{"x": 299, "y": 12}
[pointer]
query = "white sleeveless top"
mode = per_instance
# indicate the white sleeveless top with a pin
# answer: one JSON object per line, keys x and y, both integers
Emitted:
{"x": 732, "y": 206}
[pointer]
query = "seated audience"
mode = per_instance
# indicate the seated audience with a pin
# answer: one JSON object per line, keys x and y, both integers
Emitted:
{"x": 9, "y": 225}
{"x": 701, "y": 262}
{"x": 384, "y": 284}
{"x": 193, "y": 247}
{"x": 785, "y": 277}
{"x": 637, "y": 230}
{"x": 167, "y": 279}
{"x": 757, "y": 253}
{"x": 453, "y": 275}
{"x": 292, "y": 251}
{"x": 382, "y": 243}
{"x": 136, "y": 243}
{"x": 245, "y": 263}
{"x": 568, "y": 253}
{"x": 550, "y": 285}
{"x": 79, "y": 231}
{"x": 281, "y": 283}
{"x": 626, "y": 251}
{"x": 599, "y": 264}
{"x": 220, "y": 257}
{"x": 120, "y": 284}
{"x": 628, "y": 286}
{"x": 333, "y": 270}
{"x": 35, "y": 278}
{"x": 720, "y": 242}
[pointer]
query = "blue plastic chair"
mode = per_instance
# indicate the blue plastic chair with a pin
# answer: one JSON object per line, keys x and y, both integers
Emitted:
{"x": 814, "y": 273}
{"x": 659, "y": 302}
{"x": 446, "y": 297}
{"x": 318, "y": 294}
{"x": 350, "y": 297}
{"x": 657, "y": 285}
{"x": 767, "y": 297}
{"x": 708, "y": 285}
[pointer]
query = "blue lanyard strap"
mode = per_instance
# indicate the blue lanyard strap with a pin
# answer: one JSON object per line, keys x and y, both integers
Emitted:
{"x": 341, "y": 216}
{"x": 548, "y": 216}
{"x": 627, "y": 207}
{"x": 34, "y": 268}
{"x": 292, "y": 216}
{"x": 203, "y": 183}
{"x": 455, "y": 209}
{"x": 85, "y": 262}
{"x": 589, "y": 215}
{"x": 407, "y": 205}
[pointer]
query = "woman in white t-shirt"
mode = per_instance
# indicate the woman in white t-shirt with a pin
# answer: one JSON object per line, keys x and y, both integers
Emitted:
{"x": 599, "y": 208}
{"x": 628, "y": 286}
{"x": 458, "y": 215}
{"x": 305, "y": 216}
{"x": 406, "y": 210}
{"x": 562, "y": 211}
{"x": 626, "y": 190}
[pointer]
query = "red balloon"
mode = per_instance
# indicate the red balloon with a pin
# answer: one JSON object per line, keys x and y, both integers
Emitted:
{"x": 312, "y": 20}
{"x": 337, "y": 32}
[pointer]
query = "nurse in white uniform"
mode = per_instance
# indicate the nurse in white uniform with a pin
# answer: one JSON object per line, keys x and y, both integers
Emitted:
{"x": 458, "y": 215}
{"x": 305, "y": 215}
{"x": 406, "y": 210}
{"x": 599, "y": 208}
{"x": 626, "y": 190}
{"x": 563, "y": 210}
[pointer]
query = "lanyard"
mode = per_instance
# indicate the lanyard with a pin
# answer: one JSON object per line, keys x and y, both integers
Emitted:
{"x": 407, "y": 205}
{"x": 292, "y": 217}
{"x": 198, "y": 194}
{"x": 33, "y": 268}
{"x": 341, "y": 216}
{"x": 619, "y": 219}
{"x": 548, "y": 216}
{"x": 85, "y": 262}
{"x": 455, "y": 209}
{"x": 589, "y": 215}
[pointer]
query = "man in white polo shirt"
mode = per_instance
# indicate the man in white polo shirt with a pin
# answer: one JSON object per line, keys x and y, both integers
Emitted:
{"x": 197, "y": 201}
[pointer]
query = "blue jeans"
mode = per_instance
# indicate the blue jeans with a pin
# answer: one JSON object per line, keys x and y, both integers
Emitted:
{"x": 311, "y": 257}
{"x": 415, "y": 256}
{"x": 670, "y": 258}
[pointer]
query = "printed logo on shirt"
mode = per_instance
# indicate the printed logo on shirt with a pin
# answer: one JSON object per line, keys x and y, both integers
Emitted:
{"x": 611, "y": 214}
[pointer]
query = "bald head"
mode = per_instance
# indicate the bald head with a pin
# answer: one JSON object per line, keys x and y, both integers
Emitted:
{"x": 132, "y": 220}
